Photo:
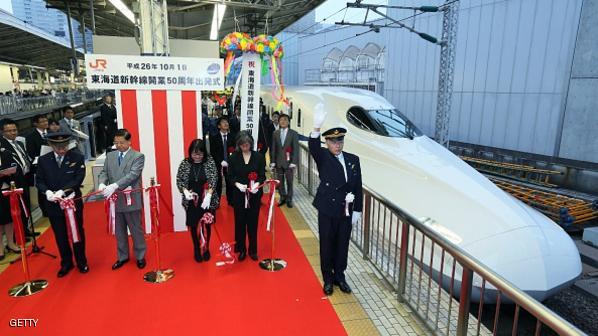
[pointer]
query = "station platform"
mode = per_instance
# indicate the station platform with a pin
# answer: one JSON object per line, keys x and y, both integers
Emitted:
{"x": 371, "y": 310}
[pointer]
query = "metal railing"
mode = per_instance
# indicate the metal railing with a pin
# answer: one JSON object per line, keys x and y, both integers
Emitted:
{"x": 345, "y": 74}
{"x": 436, "y": 278}
{"x": 15, "y": 104}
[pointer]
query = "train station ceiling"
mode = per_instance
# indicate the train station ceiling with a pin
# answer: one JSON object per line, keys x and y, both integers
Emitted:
{"x": 23, "y": 43}
{"x": 192, "y": 19}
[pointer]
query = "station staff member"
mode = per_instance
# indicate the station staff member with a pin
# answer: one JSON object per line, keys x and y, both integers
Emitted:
{"x": 59, "y": 174}
{"x": 338, "y": 200}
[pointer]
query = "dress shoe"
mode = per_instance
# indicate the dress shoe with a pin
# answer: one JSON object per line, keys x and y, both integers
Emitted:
{"x": 328, "y": 289}
{"x": 141, "y": 263}
{"x": 64, "y": 271}
{"x": 253, "y": 256}
{"x": 14, "y": 250}
{"x": 119, "y": 264}
{"x": 344, "y": 286}
{"x": 83, "y": 269}
{"x": 197, "y": 257}
{"x": 206, "y": 255}
{"x": 242, "y": 256}
{"x": 289, "y": 204}
{"x": 282, "y": 202}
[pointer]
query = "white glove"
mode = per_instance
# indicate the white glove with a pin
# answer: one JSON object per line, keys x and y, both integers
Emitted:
{"x": 272, "y": 165}
{"x": 292, "y": 165}
{"x": 50, "y": 196}
{"x": 58, "y": 194}
{"x": 349, "y": 198}
{"x": 188, "y": 195}
{"x": 206, "y": 201}
{"x": 101, "y": 187}
{"x": 110, "y": 189}
{"x": 241, "y": 187}
{"x": 319, "y": 115}
{"x": 355, "y": 218}
{"x": 224, "y": 163}
{"x": 254, "y": 188}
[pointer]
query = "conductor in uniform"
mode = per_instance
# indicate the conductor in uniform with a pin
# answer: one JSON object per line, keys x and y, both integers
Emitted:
{"x": 339, "y": 200}
{"x": 60, "y": 173}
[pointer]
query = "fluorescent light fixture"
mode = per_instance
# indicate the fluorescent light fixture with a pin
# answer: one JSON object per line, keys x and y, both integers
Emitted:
{"x": 219, "y": 10}
{"x": 123, "y": 9}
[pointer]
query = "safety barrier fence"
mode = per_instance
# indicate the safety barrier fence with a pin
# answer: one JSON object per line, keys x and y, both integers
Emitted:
{"x": 15, "y": 104}
{"x": 451, "y": 291}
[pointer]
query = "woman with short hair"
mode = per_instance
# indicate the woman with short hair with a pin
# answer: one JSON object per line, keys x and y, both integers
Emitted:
{"x": 196, "y": 180}
{"x": 247, "y": 170}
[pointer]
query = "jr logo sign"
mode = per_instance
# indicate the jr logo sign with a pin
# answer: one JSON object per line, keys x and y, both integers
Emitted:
{"x": 99, "y": 64}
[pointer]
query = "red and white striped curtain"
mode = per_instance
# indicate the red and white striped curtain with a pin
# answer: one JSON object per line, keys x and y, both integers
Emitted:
{"x": 163, "y": 124}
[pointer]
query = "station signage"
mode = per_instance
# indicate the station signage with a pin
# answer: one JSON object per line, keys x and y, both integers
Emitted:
{"x": 125, "y": 72}
{"x": 250, "y": 95}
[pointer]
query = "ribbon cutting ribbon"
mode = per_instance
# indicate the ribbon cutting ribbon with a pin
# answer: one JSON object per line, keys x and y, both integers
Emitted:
{"x": 273, "y": 184}
{"x": 15, "y": 212}
{"x": 206, "y": 219}
{"x": 127, "y": 192}
{"x": 68, "y": 205}
{"x": 110, "y": 208}
{"x": 227, "y": 251}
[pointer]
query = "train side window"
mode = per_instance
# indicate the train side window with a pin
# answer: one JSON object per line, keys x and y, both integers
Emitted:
{"x": 359, "y": 117}
{"x": 298, "y": 117}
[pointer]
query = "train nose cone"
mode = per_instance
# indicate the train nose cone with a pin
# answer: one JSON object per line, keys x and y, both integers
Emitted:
{"x": 539, "y": 260}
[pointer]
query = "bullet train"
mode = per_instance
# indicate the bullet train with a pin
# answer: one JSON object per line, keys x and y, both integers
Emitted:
{"x": 428, "y": 181}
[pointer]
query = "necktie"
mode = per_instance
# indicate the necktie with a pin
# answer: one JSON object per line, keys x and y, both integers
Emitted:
{"x": 21, "y": 154}
{"x": 120, "y": 158}
{"x": 224, "y": 149}
{"x": 44, "y": 134}
{"x": 59, "y": 161}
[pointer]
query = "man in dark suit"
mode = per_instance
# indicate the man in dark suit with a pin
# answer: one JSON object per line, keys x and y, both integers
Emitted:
{"x": 108, "y": 116}
{"x": 59, "y": 175}
{"x": 35, "y": 140}
{"x": 235, "y": 120}
{"x": 284, "y": 156}
{"x": 8, "y": 142}
{"x": 338, "y": 200}
{"x": 221, "y": 146}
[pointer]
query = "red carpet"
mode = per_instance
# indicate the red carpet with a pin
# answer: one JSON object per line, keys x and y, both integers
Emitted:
{"x": 238, "y": 299}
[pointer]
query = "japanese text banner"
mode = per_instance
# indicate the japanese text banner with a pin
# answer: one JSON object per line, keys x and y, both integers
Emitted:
{"x": 153, "y": 72}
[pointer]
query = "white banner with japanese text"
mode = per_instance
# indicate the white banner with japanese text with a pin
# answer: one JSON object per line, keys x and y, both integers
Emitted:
{"x": 250, "y": 95}
{"x": 125, "y": 72}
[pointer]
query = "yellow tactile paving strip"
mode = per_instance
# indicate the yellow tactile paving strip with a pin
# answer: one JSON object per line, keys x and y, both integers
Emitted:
{"x": 350, "y": 312}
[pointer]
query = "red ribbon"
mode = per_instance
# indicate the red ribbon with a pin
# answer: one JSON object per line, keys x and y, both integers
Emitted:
{"x": 259, "y": 146}
{"x": 230, "y": 150}
{"x": 68, "y": 205}
{"x": 206, "y": 219}
{"x": 226, "y": 250}
{"x": 252, "y": 178}
{"x": 288, "y": 151}
{"x": 15, "y": 212}
{"x": 110, "y": 209}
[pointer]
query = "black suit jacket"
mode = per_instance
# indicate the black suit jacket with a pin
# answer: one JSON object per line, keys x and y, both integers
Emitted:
{"x": 108, "y": 115}
{"x": 330, "y": 197}
{"x": 239, "y": 172}
{"x": 68, "y": 177}
{"x": 35, "y": 143}
{"x": 217, "y": 147}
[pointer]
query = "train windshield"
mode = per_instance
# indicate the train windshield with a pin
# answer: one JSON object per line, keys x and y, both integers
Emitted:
{"x": 390, "y": 123}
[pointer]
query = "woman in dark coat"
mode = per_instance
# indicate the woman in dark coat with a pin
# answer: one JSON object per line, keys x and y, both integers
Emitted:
{"x": 247, "y": 169}
{"x": 196, "y": 180}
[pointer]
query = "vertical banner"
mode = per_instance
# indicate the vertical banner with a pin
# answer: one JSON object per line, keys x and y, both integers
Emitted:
{"x": 250, "y": 95}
